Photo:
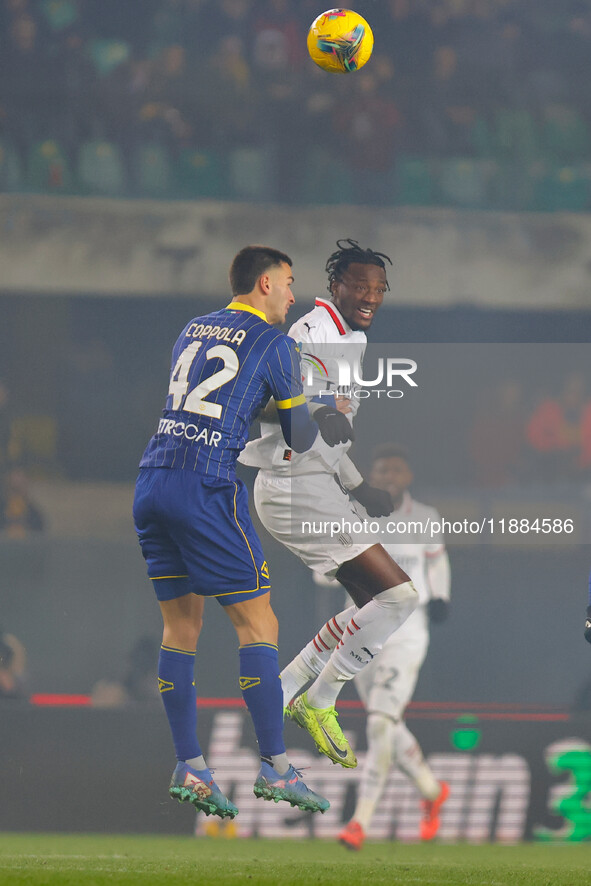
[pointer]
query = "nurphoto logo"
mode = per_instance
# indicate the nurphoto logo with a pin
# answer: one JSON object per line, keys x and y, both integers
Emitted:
{"x": 329, "y": 375}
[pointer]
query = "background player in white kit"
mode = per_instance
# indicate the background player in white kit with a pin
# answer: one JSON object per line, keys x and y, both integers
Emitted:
{"x": 291, "y": 489}
{"x": 386, "y": 685}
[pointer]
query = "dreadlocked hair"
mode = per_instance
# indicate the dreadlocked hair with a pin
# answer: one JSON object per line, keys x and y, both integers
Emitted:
{"x": 350, "y": 252}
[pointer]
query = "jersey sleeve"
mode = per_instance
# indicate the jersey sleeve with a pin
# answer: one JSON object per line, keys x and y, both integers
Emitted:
{"x": 438, "y": 575}
{"x": 436, "y": 543}
{"x": 301, "y": 332}
{"x": 285, "y": 380}
{"x": 284, "y": 373}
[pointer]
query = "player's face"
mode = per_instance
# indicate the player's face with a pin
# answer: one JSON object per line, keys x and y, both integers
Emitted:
{"x": 279, "y": 295}
{"x": 359, "y": 293}
{"x": 391, "y": 474}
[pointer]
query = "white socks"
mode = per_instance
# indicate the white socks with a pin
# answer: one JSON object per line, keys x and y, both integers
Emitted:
{"x": 390, "y": 743}
{"x": 309, "y": 662}
{"x": 378, "y": 760}
{"x": 362, "y": 639}
{"x": 408, "y": 756}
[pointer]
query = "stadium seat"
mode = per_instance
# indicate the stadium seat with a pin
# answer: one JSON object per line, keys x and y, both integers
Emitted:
{"x": 464, "y": 182}
{"x": 199, "y": 173}
{"x": 153, "y": 171}
{"x": 250, "y": 174}
{"x": 35, "y": 440}
{"x": 11, "y": 168}
{"x": 325, "y": 179}
{"x": 48, "y": 169}
{"x": 562, "y": 187}
{"x": 565, "y": 134}
{"x": 413, "y": 182}
{"x": 59, "y": 14}
{"x": 482, "y": 138}
{"x": 512, "y": 184}
{"x": 100, "y": 169}
{"x": 516, "y": 134}
{"x": 106, "y": 55}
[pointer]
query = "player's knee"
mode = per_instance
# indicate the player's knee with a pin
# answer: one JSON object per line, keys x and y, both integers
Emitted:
{"x": 271, "y": 623}
{"x": 380, "y": 739}
{"x": 198, "y": 624}
{"x": 404, "y": 593}
{"x": 379, "y": 726}
{"x": 182, "y": 636}
{"x": 261, "y": 619}
{"x": 254, "y": 621}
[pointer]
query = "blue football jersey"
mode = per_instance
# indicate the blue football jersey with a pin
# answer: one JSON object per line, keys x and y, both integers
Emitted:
{"x": 225, "y": 367}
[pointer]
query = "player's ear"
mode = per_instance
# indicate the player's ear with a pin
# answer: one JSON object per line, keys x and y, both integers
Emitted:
{"x": 265, "y": 283}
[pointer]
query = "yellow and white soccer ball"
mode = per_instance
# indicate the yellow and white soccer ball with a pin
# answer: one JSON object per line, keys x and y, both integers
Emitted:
{"x": 340, "y": 41}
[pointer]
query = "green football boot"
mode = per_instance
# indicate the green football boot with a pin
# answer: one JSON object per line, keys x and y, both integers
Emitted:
{"x": 323, "y": 726}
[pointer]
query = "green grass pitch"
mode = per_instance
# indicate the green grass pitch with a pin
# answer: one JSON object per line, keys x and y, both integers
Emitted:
{"x": 81, "y": 860}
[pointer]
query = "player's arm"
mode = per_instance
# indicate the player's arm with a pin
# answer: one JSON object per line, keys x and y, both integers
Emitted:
{"x": 439, "y": 583}
{"x": 588, "y": 619}
{"x": 332, "y": 428}
{"x": 298, "y": 427}
{"x": 377, "y": 502}
{"x": 269, "y": 413}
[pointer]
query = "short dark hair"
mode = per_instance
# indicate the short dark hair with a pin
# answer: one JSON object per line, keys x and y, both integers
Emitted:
{"x": 350, "y": 252}
{"x": 248, "y": 265}
{"x": 390, "y": 450}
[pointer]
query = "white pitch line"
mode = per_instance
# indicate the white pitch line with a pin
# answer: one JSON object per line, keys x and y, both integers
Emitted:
{"x": 56, "y": 855}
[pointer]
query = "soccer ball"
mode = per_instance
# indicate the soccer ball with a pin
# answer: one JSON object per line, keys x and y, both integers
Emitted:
{"x": 340, "y": 41}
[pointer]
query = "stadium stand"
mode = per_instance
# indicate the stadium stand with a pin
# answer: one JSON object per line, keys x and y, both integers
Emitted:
{"x": 501, "y": 80}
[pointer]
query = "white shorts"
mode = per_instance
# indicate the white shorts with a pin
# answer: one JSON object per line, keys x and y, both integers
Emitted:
{"x": 313, "y": 518}
{"x": 387, "y": 683}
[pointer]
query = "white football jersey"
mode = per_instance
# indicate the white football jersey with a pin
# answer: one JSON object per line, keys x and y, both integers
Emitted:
{"x": 327, "y": 343}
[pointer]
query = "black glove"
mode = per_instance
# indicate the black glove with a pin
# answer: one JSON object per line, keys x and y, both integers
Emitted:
{"x": 438, "y": 609}
{"x": 334, "y": 426}
{"x": 588, "y": 625}
{"x": 377, "y": 502}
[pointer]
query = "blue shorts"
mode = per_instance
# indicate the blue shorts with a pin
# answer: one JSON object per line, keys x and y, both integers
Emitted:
{"x": 197, "y": 537}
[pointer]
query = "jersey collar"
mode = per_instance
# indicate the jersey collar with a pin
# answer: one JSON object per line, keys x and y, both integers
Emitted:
{"x": 238, "y": 306}
{"x": 336, "y": 316}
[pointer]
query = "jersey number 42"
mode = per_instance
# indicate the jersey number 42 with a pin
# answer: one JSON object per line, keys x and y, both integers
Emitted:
{"x": 194, "y": 400}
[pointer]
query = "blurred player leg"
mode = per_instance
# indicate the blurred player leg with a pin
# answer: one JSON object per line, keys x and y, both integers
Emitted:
{"x": 386, "y": 687}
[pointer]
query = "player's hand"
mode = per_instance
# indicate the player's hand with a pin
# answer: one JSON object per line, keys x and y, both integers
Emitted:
{"x": 588, "y": 625}
{"x": 377, "y": 502}
{"x": 334, "y": 426}
{"x": 343, "y": 404}
{"x": 438, "y": 609}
